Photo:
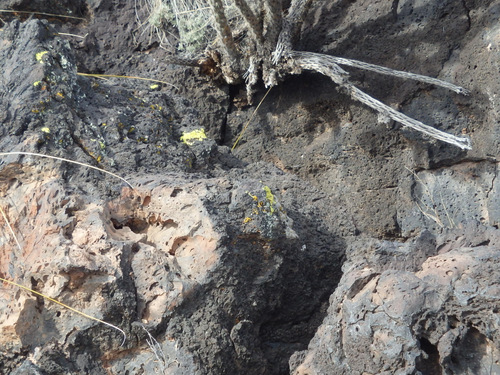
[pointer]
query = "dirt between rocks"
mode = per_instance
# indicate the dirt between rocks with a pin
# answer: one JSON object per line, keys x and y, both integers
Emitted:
{"x": 325, "y": 243}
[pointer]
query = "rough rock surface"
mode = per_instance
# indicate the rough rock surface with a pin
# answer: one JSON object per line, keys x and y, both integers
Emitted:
{"x": 428, "y": 306}
{"x": 326, "y": 243}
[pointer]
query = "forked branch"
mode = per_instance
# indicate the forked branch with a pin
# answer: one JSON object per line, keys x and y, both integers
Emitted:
{"x": 327, "y": 65}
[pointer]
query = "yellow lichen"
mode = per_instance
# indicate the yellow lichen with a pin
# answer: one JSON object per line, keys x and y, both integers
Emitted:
{"x": 254, "y": 197}
{"x": 37, "y": 83}
{"x": 247, "y": 220}
{"x": 156, "y": 106}
{"x": 40, "y": 55}
{"x": 45, "y": 130}
{"x": 195, "y": 135}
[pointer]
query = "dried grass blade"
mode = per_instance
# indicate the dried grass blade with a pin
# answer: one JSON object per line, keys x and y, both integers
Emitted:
{"x": 68, "y": 161}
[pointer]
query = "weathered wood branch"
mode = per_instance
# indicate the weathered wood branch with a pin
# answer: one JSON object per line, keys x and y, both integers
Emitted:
{"x": 273, "y": 14}
{"x": 290, "y": 28}
{"x": 398, "y": 73}
{"x": 223, "y": 30}
{"x": 324, "y": 64}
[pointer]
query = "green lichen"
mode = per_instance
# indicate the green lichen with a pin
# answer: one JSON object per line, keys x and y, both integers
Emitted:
{"x": 270, "y": 198}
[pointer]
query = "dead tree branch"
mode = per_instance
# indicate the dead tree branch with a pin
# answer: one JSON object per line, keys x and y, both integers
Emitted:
{"x": 266, "y": 53}
{"x": 326, "y": 65}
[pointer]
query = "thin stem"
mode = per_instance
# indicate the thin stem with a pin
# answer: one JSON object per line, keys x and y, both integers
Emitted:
{"x": 11, "y": 230}
{"x": 128, "y": 77}
{"x": 68, "y": 161}
{"x": 251, "y": 19}
{"x": 223, "y": 30}
{"x": 66, "y": 307}
{"x": 41, "y": 14}
{"x": 250, "y": 119}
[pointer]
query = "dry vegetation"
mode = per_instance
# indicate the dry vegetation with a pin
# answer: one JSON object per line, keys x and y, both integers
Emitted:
{"x": 249, "y": 40}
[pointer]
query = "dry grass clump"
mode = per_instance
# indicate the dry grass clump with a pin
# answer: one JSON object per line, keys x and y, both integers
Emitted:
{"x": 191, "y": 18}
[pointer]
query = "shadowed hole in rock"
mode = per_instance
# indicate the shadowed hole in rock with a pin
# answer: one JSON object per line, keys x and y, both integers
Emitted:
{"x": 165, "y": 224}
{"x": 146, "y": 201}
{"x": 135, "y": 248}
{"x": 428, "y": 362}
{"x": 135, "y": 224}
{"x": 177, "y": 243}
{"x": 175, "y": 192}
{"x": 453, "y": 322}
{"x": 484, "y": 243}
{"x": 474, "y": 354}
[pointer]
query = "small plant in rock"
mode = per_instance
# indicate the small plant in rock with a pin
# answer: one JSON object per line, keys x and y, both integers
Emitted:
{"x": 258, "y": 44}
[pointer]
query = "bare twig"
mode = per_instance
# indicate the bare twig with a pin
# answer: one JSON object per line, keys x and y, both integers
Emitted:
{"x": 427, "y": 209}
{"x": 156, "y": 348}
{"x": 75, "y": 35}
{"x": 250, "y": 119}
{"x": 66, "y": 307}
{"x": 462, "y": 142}
{"x": 11, "y": 230}
{"x": 41, "y": 14}
{"x": 127, "y": 77}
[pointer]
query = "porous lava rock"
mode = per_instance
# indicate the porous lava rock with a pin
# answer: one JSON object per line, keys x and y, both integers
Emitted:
{"x": 325, "y": 243}
{"x": 428, "y": 307}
